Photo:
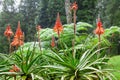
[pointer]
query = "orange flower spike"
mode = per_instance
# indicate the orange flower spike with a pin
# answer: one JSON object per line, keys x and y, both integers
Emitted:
{"x": 74, "y": 6}
{"x": 99, "y": 30}
{"x": 58, "y": 25}
{"x": 8, "y": 32}
{"x": 19, "y": 37}
{"x": 38, "y": 28}
{"x": 15, "y": 68}
{"x": 53, "y": 42}
{"x": 99, "y": 23}
{"x": 17, "y": 42}
{"x": 19, "y": 32}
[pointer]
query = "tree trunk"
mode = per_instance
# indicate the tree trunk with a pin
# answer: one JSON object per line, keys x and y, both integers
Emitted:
{"x": 68, "y": 11}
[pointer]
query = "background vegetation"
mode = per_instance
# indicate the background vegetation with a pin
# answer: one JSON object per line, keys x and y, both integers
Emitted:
{"x": 32, "y": 61}
{"x": 43, "y": 12}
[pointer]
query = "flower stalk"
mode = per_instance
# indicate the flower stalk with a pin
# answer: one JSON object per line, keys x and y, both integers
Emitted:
{"x": 53, "y": 42}
{"x": 74, "y": 7}
{"x": 8, "y": 33}
{"x": 99, "y": 31}
{"x": 58, "y": 26}
{"x": 38, "y": 28}
{"x": 18, "y": 38}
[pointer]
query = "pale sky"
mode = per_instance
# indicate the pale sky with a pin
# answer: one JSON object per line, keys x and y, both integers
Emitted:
{"x": 17, "y": 2}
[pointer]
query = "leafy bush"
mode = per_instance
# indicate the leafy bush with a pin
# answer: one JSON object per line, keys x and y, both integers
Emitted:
{"x": 114, "y": 63}
{"x": 113, "y": 36}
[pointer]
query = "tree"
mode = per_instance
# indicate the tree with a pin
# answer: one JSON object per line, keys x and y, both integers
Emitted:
{"x": 55, "y": 6}
{"x": 28, "y": 8}
{"x": 48, "y": 12}
{"x": 68, "y": 11}
{"x": 86, "y": 10}
{"x": 42, "y": 18}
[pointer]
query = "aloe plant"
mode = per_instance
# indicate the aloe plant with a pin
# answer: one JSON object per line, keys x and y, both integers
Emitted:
{"x": 89, "y": 66}
{"x": 27, "y": 62}
{"x": 4, "y": 62}
{"x": 4, "y": 65}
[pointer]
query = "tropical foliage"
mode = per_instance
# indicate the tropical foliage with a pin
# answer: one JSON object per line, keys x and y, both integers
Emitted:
{"x": 42, "y": 48}
{"x": 58, "y": 62}
{"x": 85, "y": 67}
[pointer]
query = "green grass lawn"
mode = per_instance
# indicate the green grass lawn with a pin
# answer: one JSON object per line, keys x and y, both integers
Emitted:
{"x": 114, "y": 63}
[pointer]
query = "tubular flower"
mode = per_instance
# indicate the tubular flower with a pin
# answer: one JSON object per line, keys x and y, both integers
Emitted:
{"x": 99, "y": 30}
{"x": 58, "y": 25}
{"x": 19, "y": 32}
{"x": 53, "y": 42}
{"x": 8, "y": 32}
{"x": 74, "y": 6}
{"x": 14, "y": 69}
{"x": 17, "y": 42}
{"x": 19, "y": 37}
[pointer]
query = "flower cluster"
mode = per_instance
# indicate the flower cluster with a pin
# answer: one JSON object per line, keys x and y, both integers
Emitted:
{"x": 8, "y": 32}
{"x": 99, "y": 30}
{"x": 19, "y": 37}
{"x": 74, "y": 6}
{"x": 58, "y": 25}
{"x": 14, "y": 69}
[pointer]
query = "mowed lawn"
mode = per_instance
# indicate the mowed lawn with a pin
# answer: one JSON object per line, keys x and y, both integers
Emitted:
{"x": 114, "y": 63}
